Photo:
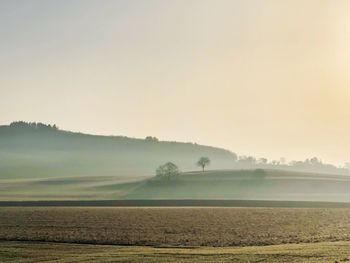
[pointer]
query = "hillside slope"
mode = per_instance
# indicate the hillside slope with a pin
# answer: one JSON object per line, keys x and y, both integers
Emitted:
{"x": 42, "y": 151}
{"x": 211, "y": 185}
{"x": 245, "y": 185}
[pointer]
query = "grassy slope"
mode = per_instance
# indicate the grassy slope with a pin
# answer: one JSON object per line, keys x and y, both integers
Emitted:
{"x": 248, "y": 185}
{"x": 60, "y": 253}
{"x": 67, "y": 188}
{"x": 49, "y": 164}
{"x": 225, "y": 184}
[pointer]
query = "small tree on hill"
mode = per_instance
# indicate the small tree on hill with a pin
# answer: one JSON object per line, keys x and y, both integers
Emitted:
{"x": 151, "y": 139}
{"x": 203, "y": 162}
{"x": 168, "y": 171}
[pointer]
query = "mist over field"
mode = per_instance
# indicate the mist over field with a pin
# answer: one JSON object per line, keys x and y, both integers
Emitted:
{"x": 175, "y": 131}
{"x": 42, "y": 162}
{"x": 139, "y": 87}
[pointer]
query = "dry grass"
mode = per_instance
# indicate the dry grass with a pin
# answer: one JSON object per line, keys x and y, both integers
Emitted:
{"x": 32, "y": 252}
{"x": 175, "y": 226}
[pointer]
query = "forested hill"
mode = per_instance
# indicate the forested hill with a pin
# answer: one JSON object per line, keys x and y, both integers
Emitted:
{"x": 35, "y": 150}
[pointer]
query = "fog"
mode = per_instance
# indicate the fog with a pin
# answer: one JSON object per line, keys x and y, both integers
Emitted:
{"x": 263, "y": 78}
{"x": 42, "y": 162}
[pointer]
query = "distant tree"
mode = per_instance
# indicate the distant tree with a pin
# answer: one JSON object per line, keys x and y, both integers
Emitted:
{"x": 168, "y": 171}
{"x": 21, "y": 124}
{"x": 263, "y": 161}
{"x": 296, "y": 163}
{"x": 33, "y": 125}
{"x": 250, "y": 160}
{"x": 274, "y": 162}
{"x": 203, "y": 162}
{"x": 314, "y": 161}
{"x": 151, "y": 139}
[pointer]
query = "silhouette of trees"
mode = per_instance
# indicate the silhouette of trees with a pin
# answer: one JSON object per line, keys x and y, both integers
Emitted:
{"x": 263, "y": 161}
{"x": 203, "y": 162}
{"x": 168, "y": 171}
{"x": 247, "y": 160}
{"x": 33, "y": 125}
{"x": 275, "y": 162}
{"x": 151, "y": 139}
{"x": 314, "y": 164}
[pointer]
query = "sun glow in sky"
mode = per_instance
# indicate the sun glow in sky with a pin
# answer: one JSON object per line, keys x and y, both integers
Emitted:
{"x": 265, "y": 78}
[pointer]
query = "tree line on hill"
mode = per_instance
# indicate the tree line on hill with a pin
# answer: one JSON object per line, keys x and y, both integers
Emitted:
{"x": 313, "y": 164}
{"x": 33, "y": 125}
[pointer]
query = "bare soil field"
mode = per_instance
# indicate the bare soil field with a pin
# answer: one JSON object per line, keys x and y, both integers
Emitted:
{"x": 33, "y": 252}
{"x": 175, "y": 226}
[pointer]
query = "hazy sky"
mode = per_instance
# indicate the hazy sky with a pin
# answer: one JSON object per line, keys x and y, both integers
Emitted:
{"x": 267, "y": 78}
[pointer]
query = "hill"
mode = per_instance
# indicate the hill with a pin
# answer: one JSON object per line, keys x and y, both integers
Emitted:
{"x": 210, "y": 185}
{"x": 41, "y": 162}
{"x": 243, "y": 185}
{"x": 35, "y": 150}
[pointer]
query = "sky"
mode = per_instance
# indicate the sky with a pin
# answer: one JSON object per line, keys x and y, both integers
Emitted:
{"x": 267, "y": 78}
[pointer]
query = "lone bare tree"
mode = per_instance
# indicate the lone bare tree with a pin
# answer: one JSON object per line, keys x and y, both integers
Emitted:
{"x": 203, "y": 162}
